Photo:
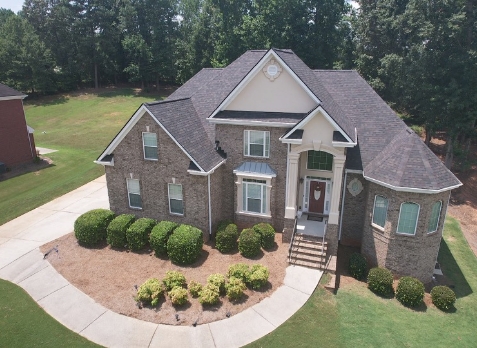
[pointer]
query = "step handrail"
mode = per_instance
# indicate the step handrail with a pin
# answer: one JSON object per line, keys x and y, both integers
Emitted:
{"x": 323, "y": 242}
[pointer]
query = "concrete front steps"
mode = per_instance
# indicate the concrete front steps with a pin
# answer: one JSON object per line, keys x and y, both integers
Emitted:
{"x": 308, "y": 251}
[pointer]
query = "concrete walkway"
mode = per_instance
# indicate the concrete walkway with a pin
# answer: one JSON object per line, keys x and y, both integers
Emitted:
{"x": 22, "y": 263}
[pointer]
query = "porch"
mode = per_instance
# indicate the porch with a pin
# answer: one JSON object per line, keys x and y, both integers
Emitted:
{"x": 311, "y": 225}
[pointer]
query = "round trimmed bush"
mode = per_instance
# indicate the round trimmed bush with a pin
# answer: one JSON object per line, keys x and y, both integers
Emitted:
{"x": 150, "y": 292}
{"x": 443, "y": 297}
{"x": 357, "y": 266}
{"x": 116, "y": 231}
{"x": 410, "y": 291}
{"x": 209, "y": 294}
{"x": 160, "y": 235}
{"x": 249, "y": 243}
{"x": 174, "y": 279}
{"x": 267, "y": 235}
{"x": 226, "y": 239}
{"x": 91, "y": 227}
{"x": 137, "y": 234}
{"x": 380, "y": 281}
{"x": 258, "y": 276}
{"x": 240, "y": 271}
{"x": 178, "y": 296}
{"x": 218, "y": 280}
{"x": 194, "y": 288}
{"x": 223, "y": 225}
{"x": 185, "y": 244}
{"x": 234, "y": 288}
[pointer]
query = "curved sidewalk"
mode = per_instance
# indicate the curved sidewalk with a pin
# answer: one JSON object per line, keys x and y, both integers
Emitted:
{"x": 22, "y": 263}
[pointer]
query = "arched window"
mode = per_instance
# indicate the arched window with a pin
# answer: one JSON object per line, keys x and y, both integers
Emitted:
{"x": 434, "y": 219}
{"x": 320, "y": 160}
{"x": 408, "y": 216}
{"x": 380, "y": 210}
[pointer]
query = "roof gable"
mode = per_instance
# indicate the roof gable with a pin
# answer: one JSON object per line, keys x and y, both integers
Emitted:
{"x": 7, "y": 93}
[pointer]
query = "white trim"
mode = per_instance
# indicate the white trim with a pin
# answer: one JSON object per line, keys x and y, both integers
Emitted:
{"x": 169, "y": 198}
{"x": 254, "y": 175}
{"x": 12, "y": 97}
{"x": 144, "y": 147}
{"x": 291, "y": 141}
{"x": 195, "y": 172}
{"x": 399, "y": 218}
{"x": 257, "y": 69}
{"x": 129, "y": 197}
{"x": 341, "y": 144}
{"x": 438, "y": 218}
{"x": 30, "y": 130}
{"x": 286, "y": 178}
{"x": 306, "y": 193}
{"x": 111, "y": 164}
{"x": 410, "y": 189}
{"x": 263, "y": 191}
{"x": 385, "y": 217}
{"x": 246, "y": 140}
{"x": 353, "y": 171}
{"x": 251, "y": 123}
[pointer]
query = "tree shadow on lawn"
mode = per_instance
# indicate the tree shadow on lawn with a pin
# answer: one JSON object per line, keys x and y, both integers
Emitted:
{"x": 46, "y": 100}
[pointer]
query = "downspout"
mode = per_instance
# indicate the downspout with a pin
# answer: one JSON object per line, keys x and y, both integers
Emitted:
{"x": 286, "y": 179}
{"x": 210, "y": 209}
{"x": 342, "y": 203}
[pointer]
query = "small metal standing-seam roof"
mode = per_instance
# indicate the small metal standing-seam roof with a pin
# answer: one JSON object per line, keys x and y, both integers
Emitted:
{"x": 257, "y": 168}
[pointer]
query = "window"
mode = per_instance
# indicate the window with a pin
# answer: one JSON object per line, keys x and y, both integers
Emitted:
{"x": 435, "y": 214}
{"x": 408, "y": 218}
{"x": 134, "y": 193}
{"x": 320, "y": 160}
{"x": 149, "y": 141}
{"x": 380, "y": 210}
{"x": 254, "y": 196}
{"x": 176, "y": 204}
{"x": 256, "y": 143}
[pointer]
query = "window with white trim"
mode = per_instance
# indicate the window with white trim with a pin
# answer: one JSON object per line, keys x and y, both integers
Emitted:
{"x": 149, "y": 142}
{"x": 254, "y": 196}
{"x": 134, "y": 193}
{"x": 256, "y": 143}
{"x": 408, "y": 216}
{"x": 176, "y": 202}
{"x": 435, "y": 215}
{"x": 380, "y": 210}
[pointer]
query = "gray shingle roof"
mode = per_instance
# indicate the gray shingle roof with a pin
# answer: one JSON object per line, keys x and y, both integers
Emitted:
{"x": 284, "y": 117}
{"x": 6, "y": 91}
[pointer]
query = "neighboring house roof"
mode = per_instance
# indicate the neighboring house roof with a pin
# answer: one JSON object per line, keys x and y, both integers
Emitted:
{"x": 9, "y": 93}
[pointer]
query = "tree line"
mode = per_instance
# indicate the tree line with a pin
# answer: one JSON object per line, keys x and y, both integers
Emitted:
{"x": 419, "y": 55}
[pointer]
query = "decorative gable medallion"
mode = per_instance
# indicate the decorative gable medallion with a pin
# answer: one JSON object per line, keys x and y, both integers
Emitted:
{"x": 355, "y": 187}
{"x": 272, "y": 70}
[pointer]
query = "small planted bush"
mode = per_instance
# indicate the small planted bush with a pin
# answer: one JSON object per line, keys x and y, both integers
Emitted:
{"x": 174, "y": 279}
{"x": 226, "y": 239}
{"x": 160, "y": 235}
{"x": 410, "y": 291}
{"x": 249, "y": 243}
{"x": 150, "y": 292}
{"x": 234, "y": 288}
{"x": 209, "y": 294}
{"x": 218, "y": 280}
{"x": 258, "y": 276}
{"x": 185, "y": 244}
{"x": 91, "y": 227}
{"x": 443, "y": 297}
{"x": 267, "y": 235}
{"x": 116, "y": 231}
{"x": 194, "y": 288}
{"x": 178, "y": 296}
{"x": 240, "y": 271}
{"x": 137, "y": 234}
{"x": 380, "y": 281}
{"x": 357, "y": 266}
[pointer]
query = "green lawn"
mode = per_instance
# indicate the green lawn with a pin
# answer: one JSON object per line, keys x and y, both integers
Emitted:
{"x": 80, "y": 127}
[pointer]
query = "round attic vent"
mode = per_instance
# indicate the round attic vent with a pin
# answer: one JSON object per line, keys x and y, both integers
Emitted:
{"x": 272, "y": 70}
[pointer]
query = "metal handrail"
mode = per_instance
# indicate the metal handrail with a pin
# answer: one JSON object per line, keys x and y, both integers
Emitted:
{"x": 323, "y": 242}
{"x": 291, "y": 241}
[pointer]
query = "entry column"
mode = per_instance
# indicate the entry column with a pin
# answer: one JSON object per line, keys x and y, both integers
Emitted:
{"x": 292, "y": 182}
{"x": 338, "y": 166}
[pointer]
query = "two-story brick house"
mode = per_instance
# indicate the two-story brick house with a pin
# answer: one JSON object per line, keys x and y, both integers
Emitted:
{"x": 310, "y": 151}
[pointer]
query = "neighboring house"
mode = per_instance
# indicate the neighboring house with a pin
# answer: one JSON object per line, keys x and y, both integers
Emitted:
{"x": 17, "y": 145}
{"x": 267, "y": 139}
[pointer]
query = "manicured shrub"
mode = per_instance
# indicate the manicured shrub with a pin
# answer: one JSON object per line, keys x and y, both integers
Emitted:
{"x": 249, "y": 243}
{"x": 209, "y": 294}
{"x": 357, "y": 266}
{"x": 410, "y": 291}
{"x": 137, "y": 234}
{"x": 116, "y": 231}
{"x": 267, "y": 235}
{"x": 194, "y": 288}
{"x": 443, "y": 297}
{"x": 160, "y": 235}
{"x": 218, "y": 280}
{"x": 380, "y": 281}
{"x": 240, "y": 271}
{"x": 174, "y": 279}
{"x": 185, "y": 244}
{"x": 234, "y": 288}
{"x": 90, "y": 227}
{"x": 258, "y": 276}
{"x": 178, "y": 296}
{"x": 226, "y": 239}
{"x": 223, "y": 225}
{"x": 150, "y": 292}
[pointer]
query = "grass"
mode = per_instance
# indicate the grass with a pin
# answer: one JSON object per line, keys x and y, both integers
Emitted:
{"x": 80, "y": 126}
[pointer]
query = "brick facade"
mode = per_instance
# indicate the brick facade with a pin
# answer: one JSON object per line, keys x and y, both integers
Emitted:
{"x": 354, "y": 212}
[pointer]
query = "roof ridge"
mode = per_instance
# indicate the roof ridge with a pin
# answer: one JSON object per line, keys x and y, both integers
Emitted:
{"x": 165, "y": 101}
{"x": 334, "y": 70}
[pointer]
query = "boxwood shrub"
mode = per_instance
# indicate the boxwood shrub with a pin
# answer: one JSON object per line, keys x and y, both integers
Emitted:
{"x": 380, "y": 281}
{"x": 249, "y": 243}
{"x": 174, "y": 279}
{"x": 267, "y": 235}
{"x": 209, "y": 294}
{"x": 226, "y": 239}
{"x": 116, "y": 231}
{"x": 137, "y": 234}
{"x": 443, "y": 297}
{"x": 185, "y": 244}
{"x": 150, "y": 292}
{"x": 357, "y": 266}
{"x": 91, "y": 227}
{"x": 410, "y": 291}
{"x": 240, "y": 271}
{"x": 234, "y": 288}
{"x": 194, "y": 288}
{"x": 178, "y": 296}
{"x": 258, "y": 276}
{"x": 218, "y": 280}
{"x": 160, "y": 235}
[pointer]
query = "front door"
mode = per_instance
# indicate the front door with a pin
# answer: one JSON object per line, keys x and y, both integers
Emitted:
{"x": 317, "y": 197}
